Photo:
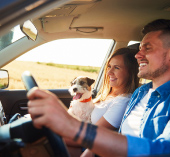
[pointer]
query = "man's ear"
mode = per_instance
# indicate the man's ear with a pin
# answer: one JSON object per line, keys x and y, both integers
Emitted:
{"x": 90, "y": 81}
{"x": 169, "y": 52}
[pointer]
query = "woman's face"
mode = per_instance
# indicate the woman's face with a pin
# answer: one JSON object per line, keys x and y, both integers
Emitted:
{"x": 117, "y": 72}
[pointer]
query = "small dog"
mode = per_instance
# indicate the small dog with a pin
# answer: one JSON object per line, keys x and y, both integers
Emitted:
{"x": 82, "y": 104}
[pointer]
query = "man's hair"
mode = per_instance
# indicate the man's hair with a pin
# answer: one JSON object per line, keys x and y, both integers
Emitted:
{"x": 162, "y": 25}
{"x": 157, "y": 25}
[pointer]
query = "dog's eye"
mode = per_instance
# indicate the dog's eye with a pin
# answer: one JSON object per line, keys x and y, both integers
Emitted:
{"x": 81, "y": 82}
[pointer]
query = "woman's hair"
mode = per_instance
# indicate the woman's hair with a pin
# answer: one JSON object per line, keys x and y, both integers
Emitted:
{"x": 132, "y": 67}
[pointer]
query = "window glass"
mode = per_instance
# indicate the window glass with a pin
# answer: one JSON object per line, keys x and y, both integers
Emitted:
{"x": 55, "y": 64}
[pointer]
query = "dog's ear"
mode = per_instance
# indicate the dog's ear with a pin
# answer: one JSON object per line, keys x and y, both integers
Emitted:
{"x": 72, "y": 81}
{"x": 90, "y": 81}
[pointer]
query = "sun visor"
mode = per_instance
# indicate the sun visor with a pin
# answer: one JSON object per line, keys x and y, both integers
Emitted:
{"x": 56, "y": 24}
{"x": 62, "y": 18}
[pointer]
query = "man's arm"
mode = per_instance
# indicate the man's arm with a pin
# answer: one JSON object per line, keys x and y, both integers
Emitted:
{"x": 47, "y": 110}
{"x": 147, "y": 147}
{"x": 108, "y": 143}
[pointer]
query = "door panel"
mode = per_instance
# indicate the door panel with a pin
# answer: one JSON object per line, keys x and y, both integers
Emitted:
{"x": 15, "y": 101}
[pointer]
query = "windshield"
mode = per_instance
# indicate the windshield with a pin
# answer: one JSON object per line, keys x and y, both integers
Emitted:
{"x": 13, "y": 35}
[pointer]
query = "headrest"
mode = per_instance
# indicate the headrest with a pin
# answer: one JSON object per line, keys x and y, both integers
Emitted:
{"x": 134, "y": 46}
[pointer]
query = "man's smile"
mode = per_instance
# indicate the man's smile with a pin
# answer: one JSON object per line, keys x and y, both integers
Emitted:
{"x": 142, "y": 65}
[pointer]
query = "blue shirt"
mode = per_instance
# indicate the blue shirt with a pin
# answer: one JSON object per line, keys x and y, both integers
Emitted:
{"x": 154, "y": 133}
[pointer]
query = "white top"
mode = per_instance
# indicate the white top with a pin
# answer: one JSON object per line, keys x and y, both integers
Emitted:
{"x": 131, "y": 125}
{"x": 112, "y": 110}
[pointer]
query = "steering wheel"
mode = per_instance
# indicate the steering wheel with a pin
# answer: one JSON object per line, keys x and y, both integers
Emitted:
{"x": 23, "y": 128}
{"x": 55, "y": 140}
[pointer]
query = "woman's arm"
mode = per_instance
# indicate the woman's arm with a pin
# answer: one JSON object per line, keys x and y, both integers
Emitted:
{"x": 87, "y": 153}
{"x": 103, "y": 123}
{"x": 114, "y": 114}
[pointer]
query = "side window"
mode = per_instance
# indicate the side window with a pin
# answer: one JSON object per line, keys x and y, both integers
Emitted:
{"x": 55, "y": 64}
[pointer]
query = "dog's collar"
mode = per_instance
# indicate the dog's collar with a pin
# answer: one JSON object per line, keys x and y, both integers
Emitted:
{"x": 86, "y": 100}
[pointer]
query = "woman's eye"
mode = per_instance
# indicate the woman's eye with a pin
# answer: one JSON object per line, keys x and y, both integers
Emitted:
{"x": 108, "y": 67}
{"x": 116, "y": 67}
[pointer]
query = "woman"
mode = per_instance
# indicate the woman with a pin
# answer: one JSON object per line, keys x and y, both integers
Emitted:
{"x": 120, "y": 80}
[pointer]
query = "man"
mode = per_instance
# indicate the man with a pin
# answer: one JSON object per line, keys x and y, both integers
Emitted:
{"x": 149, "y": 106}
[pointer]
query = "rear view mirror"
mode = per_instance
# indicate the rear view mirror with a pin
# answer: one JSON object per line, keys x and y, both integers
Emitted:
{"x": 29, "y": 30}
{"x": 4, "y": 79}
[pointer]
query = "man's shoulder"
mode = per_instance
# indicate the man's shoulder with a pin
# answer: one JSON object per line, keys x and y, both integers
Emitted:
{"x": 144, "y": 87}
{"x": 142, "y": 90}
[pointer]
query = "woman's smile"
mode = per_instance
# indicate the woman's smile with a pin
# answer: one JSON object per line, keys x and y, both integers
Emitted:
{"x": 113, "y": 79}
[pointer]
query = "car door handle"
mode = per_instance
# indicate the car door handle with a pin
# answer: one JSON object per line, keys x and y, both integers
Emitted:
{"x": 23, "y": 108}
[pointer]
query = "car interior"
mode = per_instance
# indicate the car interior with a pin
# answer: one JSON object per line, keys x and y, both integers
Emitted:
{"x": 119, "y": 20}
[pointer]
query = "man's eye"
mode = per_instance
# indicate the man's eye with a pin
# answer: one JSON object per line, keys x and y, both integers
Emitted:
{"x": 148, "y": 48}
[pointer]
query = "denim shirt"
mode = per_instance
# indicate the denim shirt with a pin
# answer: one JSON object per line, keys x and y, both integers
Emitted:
{"x": 154, "y": 132}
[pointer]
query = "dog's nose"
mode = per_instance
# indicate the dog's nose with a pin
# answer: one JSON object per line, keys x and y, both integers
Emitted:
{"x": 74, "y": 89}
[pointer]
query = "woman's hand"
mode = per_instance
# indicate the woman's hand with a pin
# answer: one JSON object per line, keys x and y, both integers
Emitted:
{"x": 87, "y": 153}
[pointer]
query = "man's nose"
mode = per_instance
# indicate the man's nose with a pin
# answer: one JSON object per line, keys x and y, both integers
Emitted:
{"x": 139, "y": 55}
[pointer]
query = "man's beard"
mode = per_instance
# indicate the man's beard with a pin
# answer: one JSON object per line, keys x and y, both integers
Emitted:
{"x": 161, "y": 70}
